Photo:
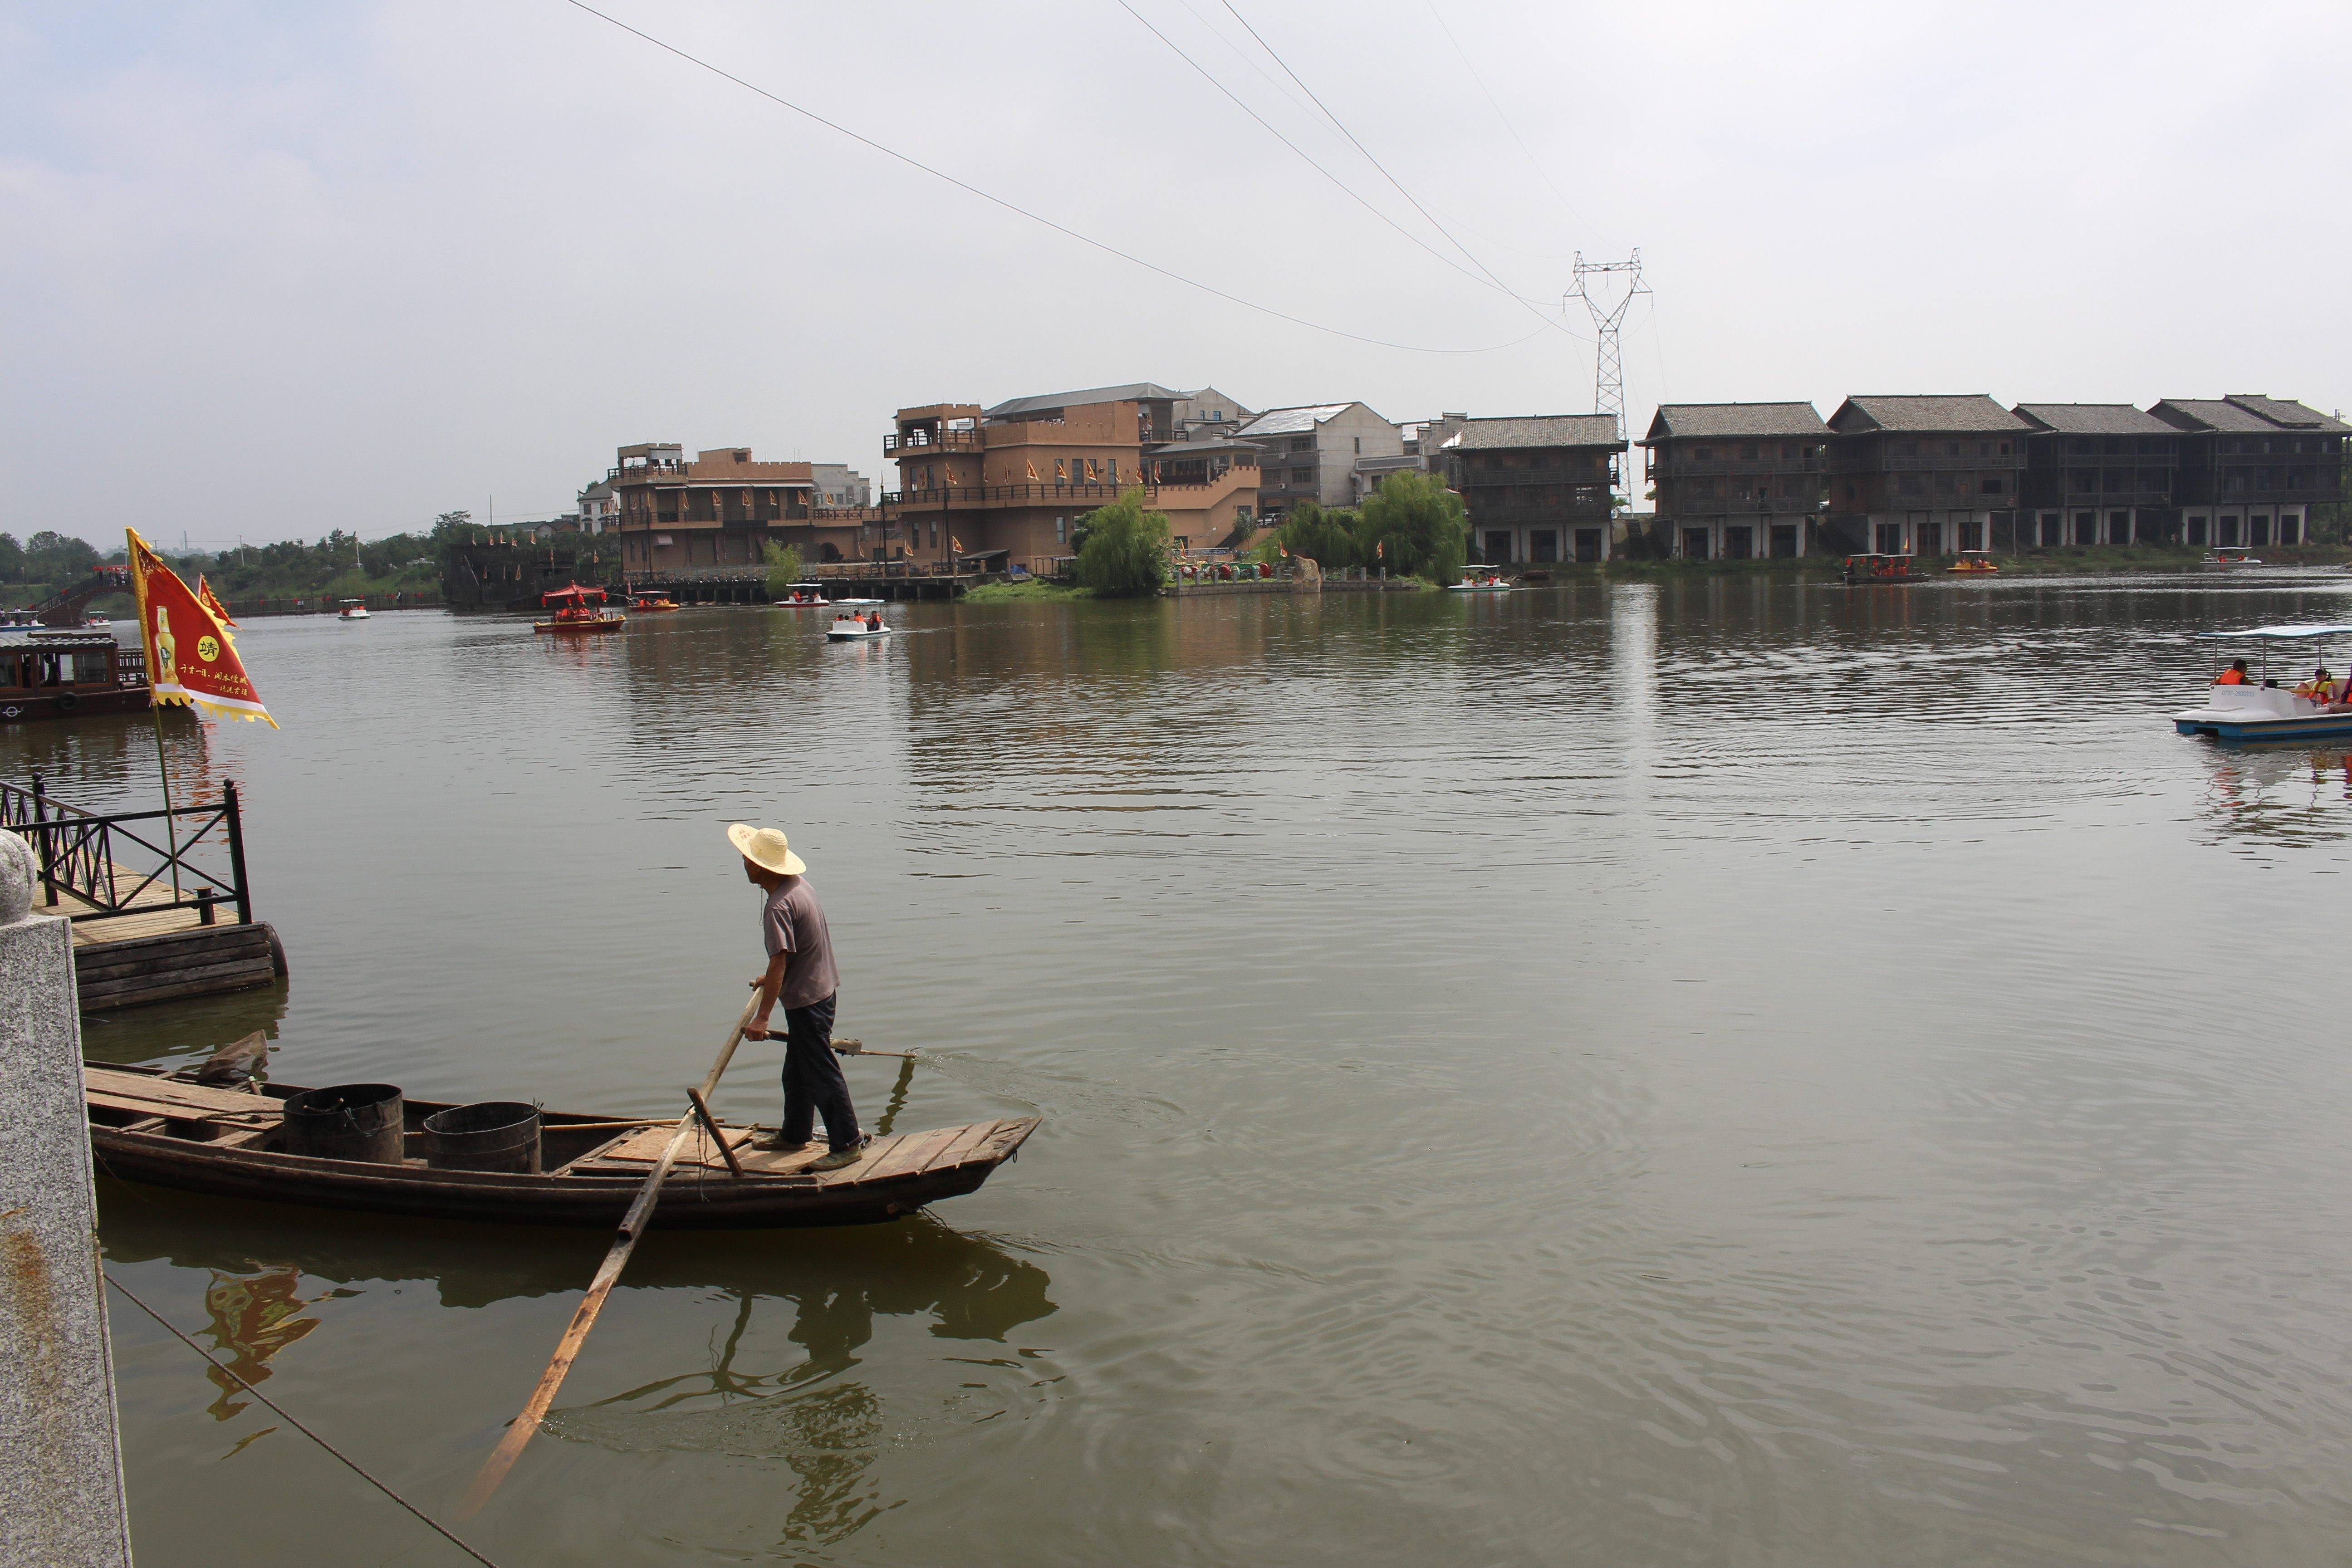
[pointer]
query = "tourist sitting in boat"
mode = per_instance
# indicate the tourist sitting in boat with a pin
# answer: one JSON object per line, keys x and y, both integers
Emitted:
{"x": 2233, "y": 676}
{"x": 2319, "y": 688}
{"x": 872, "y": 620}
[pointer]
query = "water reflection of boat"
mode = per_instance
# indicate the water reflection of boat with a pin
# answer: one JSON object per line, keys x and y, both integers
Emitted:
{"x": 2258, "y": 707}
{"x": 840, "y": 1279}
{"x": 147, "y": 1127}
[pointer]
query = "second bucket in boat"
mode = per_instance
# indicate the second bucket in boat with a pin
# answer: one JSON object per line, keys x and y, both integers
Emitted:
{"x": 492, "y": 1136}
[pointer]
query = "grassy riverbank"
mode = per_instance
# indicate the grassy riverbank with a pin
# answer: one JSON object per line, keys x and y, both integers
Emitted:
{"x": 1035, "y": 588}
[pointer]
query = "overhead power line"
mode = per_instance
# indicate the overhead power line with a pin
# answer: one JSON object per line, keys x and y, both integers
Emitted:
{"x": 1376, "y": 163}
{"x": 1016, "y": 208}
{"x": 1541, "y": 172}
{"x": 1306, "y": 158}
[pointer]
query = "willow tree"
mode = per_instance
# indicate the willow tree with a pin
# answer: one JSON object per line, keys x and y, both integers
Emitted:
{"x": 1413, "y": 523}
{"x": 1125, "y": 550}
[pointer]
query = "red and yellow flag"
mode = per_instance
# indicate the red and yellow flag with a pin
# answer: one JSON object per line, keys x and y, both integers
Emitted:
{"x": 206, "y": 596}
{"x": 190, "y": 658}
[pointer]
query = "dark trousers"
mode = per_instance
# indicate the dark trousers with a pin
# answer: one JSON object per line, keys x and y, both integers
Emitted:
{"x": 813, "y": 1079}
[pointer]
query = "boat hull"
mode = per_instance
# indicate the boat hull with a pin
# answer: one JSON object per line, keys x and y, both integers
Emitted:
{"x": 21, "y": 707}
{"x": 855, "y": 636}
{"x": 2232, "y": 726}
{"x": 216, "y": 1144}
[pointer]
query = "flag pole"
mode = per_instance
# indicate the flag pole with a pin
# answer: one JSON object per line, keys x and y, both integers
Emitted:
{"x": 154, "y": 709}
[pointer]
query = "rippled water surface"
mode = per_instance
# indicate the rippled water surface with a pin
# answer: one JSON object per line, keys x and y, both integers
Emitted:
{"x": 1731, "y": 1072}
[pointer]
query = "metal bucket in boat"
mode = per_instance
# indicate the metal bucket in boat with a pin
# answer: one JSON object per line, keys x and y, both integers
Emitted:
{"x": 347, "y": 1121}
{"x": 492, "y": 1136}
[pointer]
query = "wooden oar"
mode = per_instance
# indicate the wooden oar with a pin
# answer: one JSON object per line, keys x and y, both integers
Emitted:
{"x": 616, "y": 1258}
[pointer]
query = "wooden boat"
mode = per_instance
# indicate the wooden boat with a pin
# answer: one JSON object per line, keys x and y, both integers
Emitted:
{"x": 577, "y": 612}
{"x": 146, "y": 1126}
{"x": 56, "y": 672}
{"x": 1881, "y": 569}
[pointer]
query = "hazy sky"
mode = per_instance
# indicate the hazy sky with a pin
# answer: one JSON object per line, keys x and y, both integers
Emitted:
{"x": 271, "y": 269}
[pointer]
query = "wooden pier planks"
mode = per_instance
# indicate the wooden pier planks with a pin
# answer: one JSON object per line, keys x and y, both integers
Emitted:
{"x": 191, "y": 963}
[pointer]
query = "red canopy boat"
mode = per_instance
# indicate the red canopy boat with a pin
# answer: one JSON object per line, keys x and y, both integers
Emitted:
{"x": 577, "y": 609}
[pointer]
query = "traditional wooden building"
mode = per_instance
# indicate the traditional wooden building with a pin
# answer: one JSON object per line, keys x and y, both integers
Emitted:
{"x": 2252, "y": 468}
{"x": 1010, "y": 482}
{"x": 1734, "y": 480}
{"x": 1924, "y": 475}
{"x": 718, "y": 512}
{"x": 1536, "y": 489}
{"x": 2096, "y": 473}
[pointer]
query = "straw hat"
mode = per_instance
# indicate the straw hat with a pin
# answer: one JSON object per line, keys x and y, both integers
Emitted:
{"x": 767, "y": 848}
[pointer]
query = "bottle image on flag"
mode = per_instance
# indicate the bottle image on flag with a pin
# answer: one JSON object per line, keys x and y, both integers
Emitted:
{"x": 190, "y": 658}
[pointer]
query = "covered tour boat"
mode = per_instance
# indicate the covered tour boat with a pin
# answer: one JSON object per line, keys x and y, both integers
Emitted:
{"x": 1481, "y": 580}
{"x": 653, "y": 604}
{"x": 354, "y": 610}
{"x": 1878, "y": 569}
{"x": 857, "y": 628}
{"x": 55, "y": 673}
{"x": 2252, "y": 704}
{"x": 577, "y": 611}
{"x": 564, "y": 1169}
{"x": 2226, "y": 558}
{"x": 1974, "y": 564}
{"x": 803, "y": 596}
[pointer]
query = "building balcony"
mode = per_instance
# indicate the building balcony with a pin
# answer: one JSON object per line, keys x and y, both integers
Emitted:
{"x": 1850, "y": 463}
{"x": 1544, "y": 473}
{"x": 1505, "y": 514}
{"x": 1667, "y": 465}
{"x": 1736, "y": 507}
{"x": 950, "y": 497}
{"x": 919, "y": 443}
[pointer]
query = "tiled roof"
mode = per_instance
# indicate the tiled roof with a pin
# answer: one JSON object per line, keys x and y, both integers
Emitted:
{"x": 1133, "y": 392}
{"x": 1736, "y": 419}
{"x": 1291, "y": 421}
{"x": 2093, "y": 419}
{"x": 2287, "y": 412}
{"x": 1536, "y": 430}
{"x": 2211, "y": 414}
{"x": 1928, "y": 415}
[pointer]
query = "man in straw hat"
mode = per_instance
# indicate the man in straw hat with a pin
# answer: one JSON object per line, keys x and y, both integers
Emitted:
{"x": 800, "y": 975}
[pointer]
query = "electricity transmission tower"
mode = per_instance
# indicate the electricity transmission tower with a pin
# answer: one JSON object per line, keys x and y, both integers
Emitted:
{"x": 1609, "y": 383}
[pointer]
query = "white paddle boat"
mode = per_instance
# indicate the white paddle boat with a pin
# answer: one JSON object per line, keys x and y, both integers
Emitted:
{"x": 1481, "y": 580}
{"x": 2252, "y": 705}
{"x": 853, "y": 629}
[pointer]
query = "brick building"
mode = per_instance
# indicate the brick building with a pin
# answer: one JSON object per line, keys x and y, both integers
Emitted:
{"x": 717, "y": 512}
{"x": 1734, "y": 480}
{"x": 1010, "y": 482}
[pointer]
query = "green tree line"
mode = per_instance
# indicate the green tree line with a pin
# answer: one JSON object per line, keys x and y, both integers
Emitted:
{"x": 1412, "y": 525}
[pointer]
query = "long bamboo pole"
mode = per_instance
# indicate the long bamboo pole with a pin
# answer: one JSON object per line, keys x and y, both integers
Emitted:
{"x": 584, "y": 1318}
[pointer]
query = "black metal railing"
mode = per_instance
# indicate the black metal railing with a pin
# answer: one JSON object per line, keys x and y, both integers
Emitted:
{"x": 111, "y": 861}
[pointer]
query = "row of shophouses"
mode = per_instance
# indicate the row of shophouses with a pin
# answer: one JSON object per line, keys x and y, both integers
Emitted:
{"x": 1007, "y": 484}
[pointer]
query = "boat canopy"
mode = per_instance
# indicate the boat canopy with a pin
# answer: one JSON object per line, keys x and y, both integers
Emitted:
{"x": 576, "y": 594}
{"x": 2299, "y": 633}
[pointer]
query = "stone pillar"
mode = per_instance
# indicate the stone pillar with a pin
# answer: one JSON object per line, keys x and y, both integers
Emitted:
{"x": 61, "y": 1482}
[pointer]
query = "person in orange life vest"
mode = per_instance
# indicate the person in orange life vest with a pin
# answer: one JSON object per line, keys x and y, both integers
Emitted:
{"x": 2320, "y": 687}
{"x": 2233, "y": 676}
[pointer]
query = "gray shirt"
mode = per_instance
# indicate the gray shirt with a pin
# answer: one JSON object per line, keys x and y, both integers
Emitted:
{"x": 792, "y": 921}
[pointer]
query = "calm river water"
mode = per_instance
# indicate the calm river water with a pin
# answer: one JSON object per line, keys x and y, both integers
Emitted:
{"x": 1729, "y": 1072}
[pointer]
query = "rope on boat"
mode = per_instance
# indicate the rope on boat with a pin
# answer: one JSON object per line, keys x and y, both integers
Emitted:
{"x": 430, "y": 1523}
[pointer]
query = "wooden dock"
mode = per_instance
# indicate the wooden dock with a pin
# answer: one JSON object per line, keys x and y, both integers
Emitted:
{"x": 179, "y": 930}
